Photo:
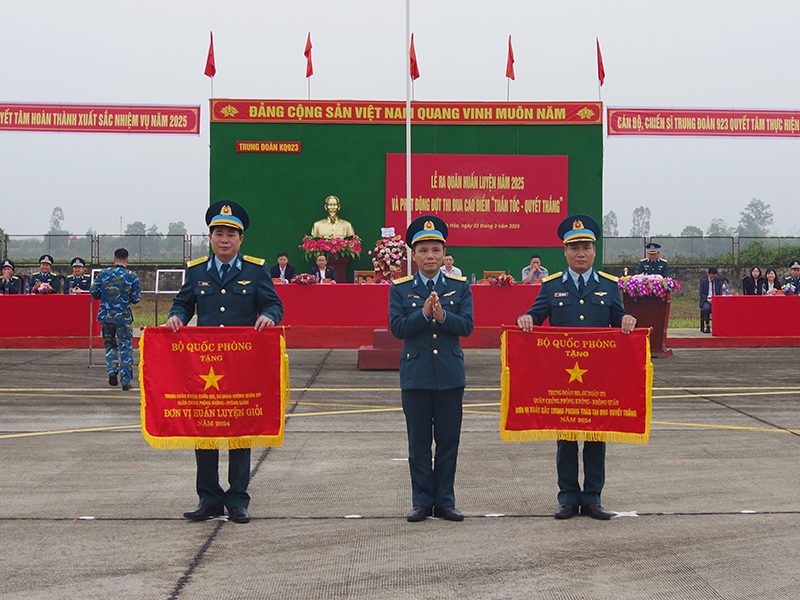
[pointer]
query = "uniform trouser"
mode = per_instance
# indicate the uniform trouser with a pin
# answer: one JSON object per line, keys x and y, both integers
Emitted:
{"x": 594, "y": 472}
{"x": 705, "y": 311}
{"x": 433, "y": 416}
{"x": 208, "y": 488}
{"x": 118, "y": 344}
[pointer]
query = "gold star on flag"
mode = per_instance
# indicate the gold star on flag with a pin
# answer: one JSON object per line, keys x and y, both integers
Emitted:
{"x": 574, "y": 373}
{"x": 212, "y": 380}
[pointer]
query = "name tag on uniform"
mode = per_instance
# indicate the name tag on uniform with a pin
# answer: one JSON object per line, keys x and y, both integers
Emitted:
{"x": 204, "y": 283}
{"x": 414, "y": 296}
{"x": 560, "y": 294}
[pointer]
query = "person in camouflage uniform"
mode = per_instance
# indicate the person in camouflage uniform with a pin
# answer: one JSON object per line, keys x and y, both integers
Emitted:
{"x": 117, "y": 288}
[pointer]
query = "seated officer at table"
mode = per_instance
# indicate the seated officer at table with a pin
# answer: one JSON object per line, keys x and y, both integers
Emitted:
{"x": 653, "y": 265}
{"x": 282, "y": 270}
{"x": 581, "y": 297}
{"x": 793, "y": 277}
{"x": 78, "y": 281}
{"x": 10, "y": 283}
{"x": 429, "y": 311}
{"x": 709, "y": 286}
{"x": 227, "y": 289}
{"x": 44, "y": 276}
{"x": 322, "y": 270}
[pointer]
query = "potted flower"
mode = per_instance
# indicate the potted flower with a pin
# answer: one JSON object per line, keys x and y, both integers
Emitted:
{"x": 338, "y": 251}
{"x": 647, "y": 297}
{"x": 388, "y": 255}
{"x": 305, "y": 279}
{"x": 502, "y": 280}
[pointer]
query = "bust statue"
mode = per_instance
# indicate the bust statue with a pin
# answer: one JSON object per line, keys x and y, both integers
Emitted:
{"x": 333, "y": 226}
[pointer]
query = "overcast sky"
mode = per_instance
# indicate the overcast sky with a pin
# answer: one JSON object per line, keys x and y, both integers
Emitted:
{"x": 673, "y": 54}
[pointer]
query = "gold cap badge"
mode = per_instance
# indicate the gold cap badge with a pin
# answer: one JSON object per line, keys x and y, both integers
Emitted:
{"x": 428, "y": 226}
{"x": 226, "y": 211}
{"x": 578, "y": 224}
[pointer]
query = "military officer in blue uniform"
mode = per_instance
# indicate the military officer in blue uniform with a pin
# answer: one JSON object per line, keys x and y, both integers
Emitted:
{"x": 10, "y": 283}
{"x": 579, "y": 297}
{"x": 44, "y": 275}
{"x": 226, "y": 289}
{"x": 429, "y": 311}
{"x": 78, "y": 281}
{"x": 653, "y": 265}
{"x": 793, "y": 277}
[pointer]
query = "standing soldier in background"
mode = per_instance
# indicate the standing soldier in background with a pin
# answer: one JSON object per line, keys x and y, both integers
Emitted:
{"x": 227, "y": 289}
{"x": 653, "y": 265}
{"x": 44, "y": 277}
{"x": 78, "y": 281}
{"x": 117, "y": 288}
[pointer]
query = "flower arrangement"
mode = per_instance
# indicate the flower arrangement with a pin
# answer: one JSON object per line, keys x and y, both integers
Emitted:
{"x": 314, "y": 246}
{"x": 789, "y": 288}
{"x": 637, "y": 286}
{"x": 502, "y": 280}
{"x": 305, "y": 279}
{"x": 388, "y": 254}
{"x": 42, "y": 287}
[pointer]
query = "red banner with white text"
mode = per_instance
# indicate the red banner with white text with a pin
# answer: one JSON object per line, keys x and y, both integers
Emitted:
{"x": 100, "y": 118}
{"x": 486, "y": 200}
{"x": 683, "y": 122}
{"x": 379, "y": 112}
{"x": 213, "y": 387}
{"x": 576, "y": 383}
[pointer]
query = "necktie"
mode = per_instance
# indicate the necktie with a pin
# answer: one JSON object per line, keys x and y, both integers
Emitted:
{"x": 430, "y": 285}
{"x": 224, "y": 270}
{"x": 581, "y": 285}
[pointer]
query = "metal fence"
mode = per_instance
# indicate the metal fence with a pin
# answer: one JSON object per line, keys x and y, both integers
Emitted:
{"x": 703, "y": 250}
{"x": 99, "y": 249}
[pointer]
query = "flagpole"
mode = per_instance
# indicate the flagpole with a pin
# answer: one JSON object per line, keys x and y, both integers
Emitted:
{"x": 408, "y": 129}
{"x": 308, "y": 80}
{"x": 508, "y": 90}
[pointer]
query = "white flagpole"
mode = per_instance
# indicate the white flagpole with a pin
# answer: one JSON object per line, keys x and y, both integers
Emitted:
{"x": 408, "y": 128}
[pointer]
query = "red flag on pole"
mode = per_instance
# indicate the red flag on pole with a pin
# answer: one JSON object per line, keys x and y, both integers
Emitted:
{"x": 510, "y": 63}
{"x": 307, "y": 54}
{"x": 211, "y": 70}
{"x": 601, "y": 72}
{"x": 414, "y": 65}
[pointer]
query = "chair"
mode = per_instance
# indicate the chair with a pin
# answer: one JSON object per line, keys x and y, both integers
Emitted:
{"x": 491, "y": 274}
{"x": 362, "y": 275}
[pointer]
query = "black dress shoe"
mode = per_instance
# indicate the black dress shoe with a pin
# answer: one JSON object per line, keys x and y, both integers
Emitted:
{"x": 596, "y": 511}
{"x": 238, "y": 514}
{"x": 708, "y": 330}
{"x": 566, "y": 511}
{"x": 112, "y": 379}
{"x": 419, "y": 513}
{"x": 448, "y": 513}
{"x": 126, "y": 387}
{"x": 203, "y": 512}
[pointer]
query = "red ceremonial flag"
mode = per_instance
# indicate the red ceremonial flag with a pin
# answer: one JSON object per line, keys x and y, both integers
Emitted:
{"x": 307, "y": 54}
{"x": 211, "y": 70}
{"x": 213, "y": 387}
{"x": 510, "y": 63}
{"x": 601, "y": 72}
{"x": 414, "y": 65}
{"x": 577, "y": 393}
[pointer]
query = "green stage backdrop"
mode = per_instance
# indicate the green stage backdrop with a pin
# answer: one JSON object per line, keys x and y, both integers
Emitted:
{"x": 284, "y": 192}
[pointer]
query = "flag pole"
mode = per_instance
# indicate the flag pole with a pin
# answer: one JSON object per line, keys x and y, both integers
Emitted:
{"x": 408, "y": 129}
{"x": 508, "y": 90}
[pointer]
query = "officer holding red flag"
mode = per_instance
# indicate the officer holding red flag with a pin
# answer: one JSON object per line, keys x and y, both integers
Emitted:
{"x": 579, "y": 297}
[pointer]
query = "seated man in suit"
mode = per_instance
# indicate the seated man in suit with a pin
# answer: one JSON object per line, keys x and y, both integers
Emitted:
{"x": 708, "y": 287}
{"x": 283, "y": 270}
{"x": 322, "y": 270}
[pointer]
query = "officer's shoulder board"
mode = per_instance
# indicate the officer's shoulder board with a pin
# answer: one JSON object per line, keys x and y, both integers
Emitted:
{"x": 456, "y": 277}
{"x": 403, "y": 279}
{"x": 663, "y": 259}
{"x": 644, "y": 260}
{"x": 553, "y": 276}
{"x": 197, "y": 261}
{"x": 607, "y": 276}
{"x": 252, "y": 259}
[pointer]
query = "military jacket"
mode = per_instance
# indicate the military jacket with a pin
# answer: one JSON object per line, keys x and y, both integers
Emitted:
{"x": 653, "y": 267}
{"x": 78, "y": 283}
{"x": 600, "y": 305}
{"x": 50, "y": 278}
{"x": 432, "y": 357}
{"x": 117, "y": 288}
{"x": 245, "y": 294}
{"x": 13, "y": 286}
